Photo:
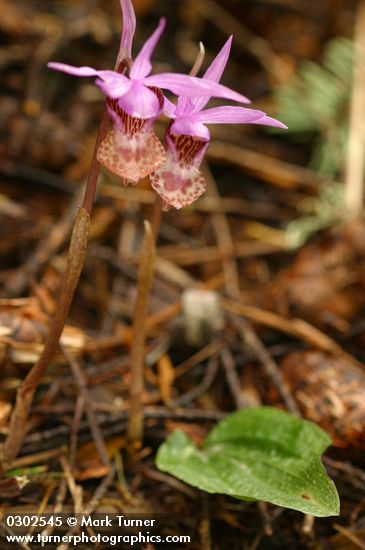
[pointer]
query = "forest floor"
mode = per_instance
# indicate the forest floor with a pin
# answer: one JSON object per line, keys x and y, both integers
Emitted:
{"x": 287, "y": 324}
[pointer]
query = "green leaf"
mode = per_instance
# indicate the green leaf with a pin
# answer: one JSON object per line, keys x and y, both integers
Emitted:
{"x": 261, "y": 454}
{"x": 317, "y": 97}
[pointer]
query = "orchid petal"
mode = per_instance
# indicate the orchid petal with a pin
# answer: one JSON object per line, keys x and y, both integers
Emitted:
{"x": 169, "y": 108}
{"x": 269, "y": 121}
{"x": 229, "y": 115}
{"x": 192, "y": 86}
{"x": 214, "y": 72}
{"x": 185, "y": 105}
{"x": 140, "y": 102}
{"x": 182, "y": 108}
{"x": 80, "y": 71}
{"x": 236, "y": 115}
{"x": 114, "y": 87}
{"x": 111, "y": 83}
{"x": 129, "y": 28}
{"x": 142, "y": 65}
{"x": 190, "y": 126}
{"x": 216, "y": 68}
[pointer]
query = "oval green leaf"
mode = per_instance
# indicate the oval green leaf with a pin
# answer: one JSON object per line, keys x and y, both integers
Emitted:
{"x": 261, "y": 454}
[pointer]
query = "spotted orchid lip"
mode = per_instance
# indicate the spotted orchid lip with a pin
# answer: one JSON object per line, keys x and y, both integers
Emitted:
{"x": 132, "y": 157}
{"x": 131, "y": 149}
{"x": 178, "y": 183}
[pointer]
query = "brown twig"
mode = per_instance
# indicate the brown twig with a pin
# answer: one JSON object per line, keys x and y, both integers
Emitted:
{"x": 44, "y": 502}
{"x": 246, "y": 249}
{"x": 75, "y": 490}
{"x": 269, "y": 169}
{"x": 202, "y": 388}
{"x": 299, "y": 328}
{"x": 204, "y": 524}
{"x": 233, "y": 379}
{"x": 48, "y": 246}
{"x": 58, "y": 506}
{"x": 89, "y": 408}
{"x": 171, "y": 482}
{"x": 350, "y": 536}
{"x": 93, "y": 503}
{"x": 266, "y": 518}
{"x": 202, "y": 355}
{"x": 111, "y": 423}
{"x": 209, "y": 204}
{"x": 254, "y": 343}
{"x": 75, "y": 426}
{"x": 7, "y": 529}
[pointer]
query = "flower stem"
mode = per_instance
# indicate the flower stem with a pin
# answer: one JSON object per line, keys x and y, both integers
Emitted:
{"x": 75, "y": 263}
{"x": 145, "y": 276}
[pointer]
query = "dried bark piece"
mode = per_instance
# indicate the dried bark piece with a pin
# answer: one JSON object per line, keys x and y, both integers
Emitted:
{"x": 331, "y": 392}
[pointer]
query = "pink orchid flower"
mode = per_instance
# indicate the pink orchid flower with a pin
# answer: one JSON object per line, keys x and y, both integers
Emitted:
{"x": 179, "y": 181}
{"x": 134, "y": 101}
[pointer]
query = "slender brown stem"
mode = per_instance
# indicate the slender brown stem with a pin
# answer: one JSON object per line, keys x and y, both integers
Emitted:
{"x": 94, "y": 171}
{"x": 145, "y": 276}
{"x": 75, "y": 263}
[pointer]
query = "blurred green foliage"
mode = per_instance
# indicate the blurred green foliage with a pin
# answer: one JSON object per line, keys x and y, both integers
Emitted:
{"x": 317, "y": 213}
{"x": 316, "y": 104}
{"x": 315, "y": 108}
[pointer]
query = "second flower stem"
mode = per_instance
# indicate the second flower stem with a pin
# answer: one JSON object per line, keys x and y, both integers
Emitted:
{"x": 145, "y": 277}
